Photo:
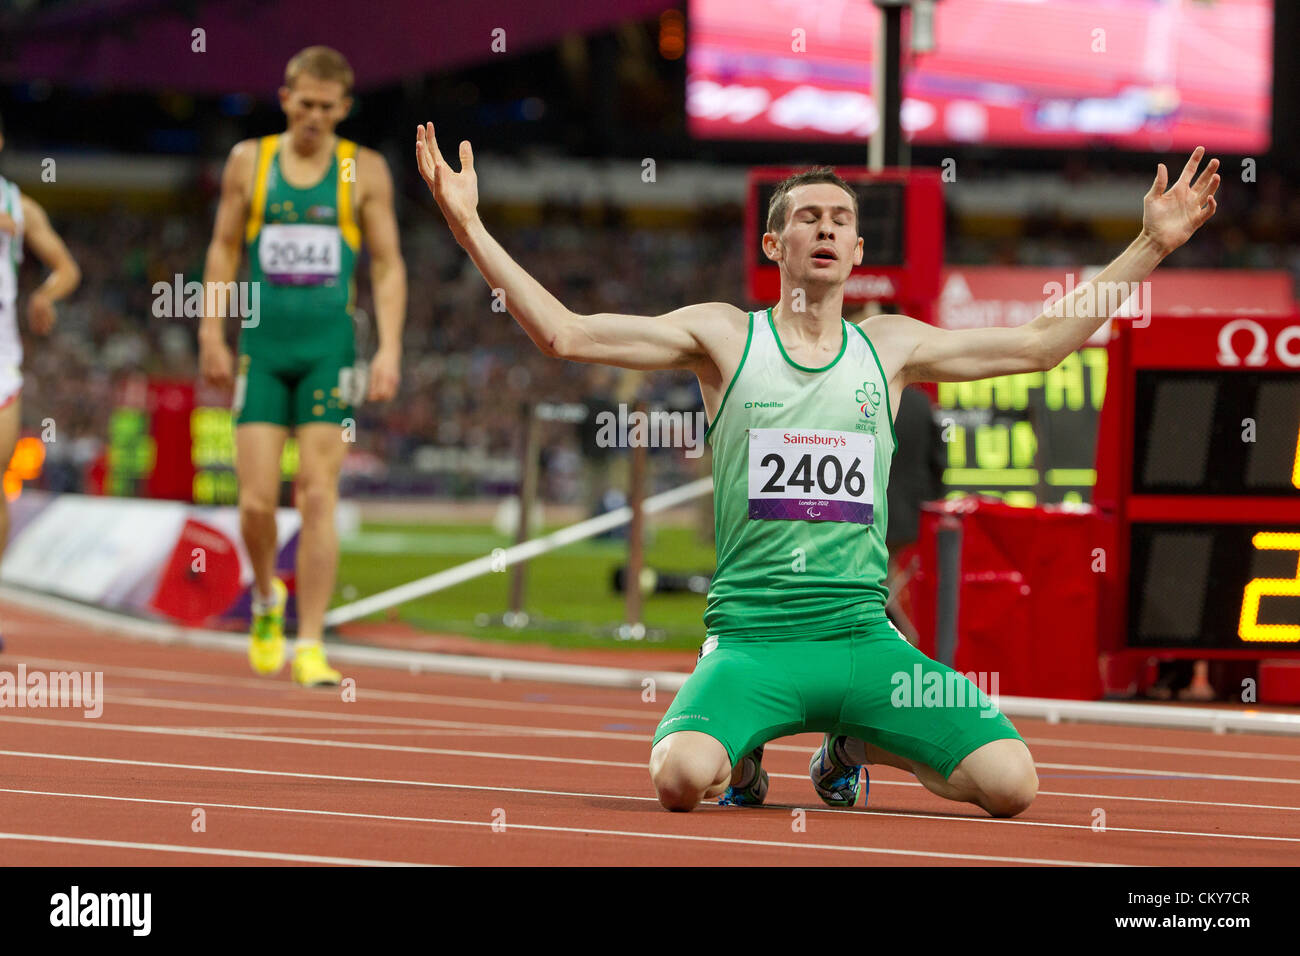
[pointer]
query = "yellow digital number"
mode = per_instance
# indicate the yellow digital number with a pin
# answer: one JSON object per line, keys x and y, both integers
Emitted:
{"x": 1295, "y": 469}
{"x": 1250, "y": 628}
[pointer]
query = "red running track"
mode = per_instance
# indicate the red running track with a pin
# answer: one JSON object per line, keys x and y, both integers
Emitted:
{"x": 195, "y": 761}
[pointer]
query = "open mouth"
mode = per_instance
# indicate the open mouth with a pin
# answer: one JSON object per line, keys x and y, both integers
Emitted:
{"x": 827, "y": 255}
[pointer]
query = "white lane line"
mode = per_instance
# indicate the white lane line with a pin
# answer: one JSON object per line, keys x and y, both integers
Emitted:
{"x": 928, "y": 854}
{"x": 601, "y": 796}
{"x": 1152, "y": 749}
{"x": 1093, "y": 796}
{"x": 406, "y": 748}
{"x": 626, "y": 764}
{"x": 346, "y": 744}
{"x": 204, "y": 851}
{"x": 1147, "y": 772}
{"x": 369, "y": 718}
{"x": 649, "y": 714}
{"x": 610, "y": 735}
{"x": 1219, "y": 720}
{"x": 280, "y": 687}
{"x": 360, "y": 731}
{"x": 905, "y": 815}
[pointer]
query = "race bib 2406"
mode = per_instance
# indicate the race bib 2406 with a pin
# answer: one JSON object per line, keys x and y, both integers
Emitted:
{"x": 811, "y": 474}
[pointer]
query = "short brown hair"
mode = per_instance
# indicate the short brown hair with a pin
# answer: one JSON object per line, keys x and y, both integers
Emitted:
{"x": 322, "y": 62}
{"x": 778, "y": 208}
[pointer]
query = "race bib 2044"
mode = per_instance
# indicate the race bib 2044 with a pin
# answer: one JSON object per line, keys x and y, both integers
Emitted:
{"x": 811, "y": 474}
{"x": 299, "y": 254}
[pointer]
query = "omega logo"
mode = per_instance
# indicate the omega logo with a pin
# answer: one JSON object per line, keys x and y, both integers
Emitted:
{"x": 1284, "y": 346}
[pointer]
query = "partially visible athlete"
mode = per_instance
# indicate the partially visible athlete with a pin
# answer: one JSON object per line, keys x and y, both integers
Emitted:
{"x": 301, "y": 202}
{"x": 22, "y": 220}
{"x": 801, "y": 408}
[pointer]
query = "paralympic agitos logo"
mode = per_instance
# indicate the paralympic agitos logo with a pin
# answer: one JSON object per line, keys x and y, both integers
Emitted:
{"x": 868, "y": 394}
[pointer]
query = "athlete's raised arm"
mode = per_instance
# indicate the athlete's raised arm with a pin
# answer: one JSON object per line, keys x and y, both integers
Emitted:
{"x": 669, "y": 341}
{"x": 1169, "y": 218}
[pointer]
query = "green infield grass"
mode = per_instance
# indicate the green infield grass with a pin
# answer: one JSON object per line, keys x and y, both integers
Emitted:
{"x": 571, "y": 601}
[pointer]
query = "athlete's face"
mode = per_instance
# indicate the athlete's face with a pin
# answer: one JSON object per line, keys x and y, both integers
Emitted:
{"x": 313, "y": 108}
{"x": 819, "y": 243}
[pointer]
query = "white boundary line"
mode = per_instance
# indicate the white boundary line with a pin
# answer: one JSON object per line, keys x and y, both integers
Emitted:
{"x": 1217, "y": 720}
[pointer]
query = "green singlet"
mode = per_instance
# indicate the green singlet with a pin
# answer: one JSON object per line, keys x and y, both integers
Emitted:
{"x": 297, "y": 355}
{"x": 797, "y": 636}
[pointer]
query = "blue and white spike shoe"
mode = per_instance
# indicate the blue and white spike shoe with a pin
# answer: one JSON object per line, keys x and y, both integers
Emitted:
{"x": 753, "y": 793}
{"x": 836, "y": 780}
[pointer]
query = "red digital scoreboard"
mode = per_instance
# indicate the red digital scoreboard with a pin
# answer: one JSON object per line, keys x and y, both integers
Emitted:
{"x": 900, "y": 219}
{"x": 1198, "y": 467}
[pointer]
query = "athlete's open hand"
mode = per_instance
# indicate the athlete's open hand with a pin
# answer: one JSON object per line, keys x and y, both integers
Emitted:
{"x": 455, "y": 193}
{"x": 1170, "y": 216}
{"x": 216, "y": 364}
{"x": 385, "y": 372}
{"x": 40, "y": 313}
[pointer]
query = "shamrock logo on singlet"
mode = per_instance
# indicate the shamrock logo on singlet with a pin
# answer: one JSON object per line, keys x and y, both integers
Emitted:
{"x": 868, "y": 394}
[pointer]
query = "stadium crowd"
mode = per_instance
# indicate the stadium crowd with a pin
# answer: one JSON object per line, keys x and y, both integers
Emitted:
{"x": 466, "y": 368}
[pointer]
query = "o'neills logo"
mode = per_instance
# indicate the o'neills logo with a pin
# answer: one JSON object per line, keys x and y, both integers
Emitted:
{"x": 794, "y": 438}
{"x": 765, "y": 404}
{"x": 37, "y": 689}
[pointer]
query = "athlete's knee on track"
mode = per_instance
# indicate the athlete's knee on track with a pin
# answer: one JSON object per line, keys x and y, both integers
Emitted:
{"x": 681, "y": 773}
{"x": 1013, "y": 790}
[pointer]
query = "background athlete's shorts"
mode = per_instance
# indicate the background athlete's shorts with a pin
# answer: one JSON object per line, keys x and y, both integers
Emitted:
{"x": 295, "y": 390}
{"x": 867, "y": 683}
{"x": 11, "y": 382}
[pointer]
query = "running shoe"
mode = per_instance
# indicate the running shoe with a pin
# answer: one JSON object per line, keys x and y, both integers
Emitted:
{"x": 266, "y": 637}
{"x": 753, "y": 793}
{"x": 833, "y": 777}
{"x": 310, "y": 669}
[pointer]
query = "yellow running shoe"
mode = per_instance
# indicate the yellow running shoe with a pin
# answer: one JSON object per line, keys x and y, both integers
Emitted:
{"x": 310, "y": 669}
{"x": 266, "y": 638}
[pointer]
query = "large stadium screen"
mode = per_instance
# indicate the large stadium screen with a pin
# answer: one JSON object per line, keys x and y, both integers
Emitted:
{"x": 1137, "y": 74}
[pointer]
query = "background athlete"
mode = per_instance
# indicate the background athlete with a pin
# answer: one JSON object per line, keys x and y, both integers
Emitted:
{"x": 22, "y": 220}
{"x": 797, "y": 635}
{"x": 301, "y": 203}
